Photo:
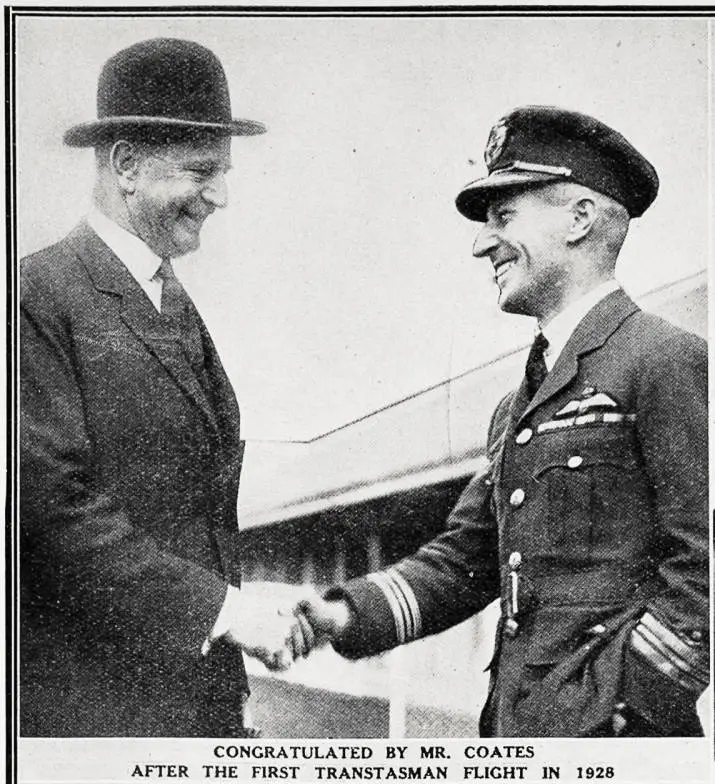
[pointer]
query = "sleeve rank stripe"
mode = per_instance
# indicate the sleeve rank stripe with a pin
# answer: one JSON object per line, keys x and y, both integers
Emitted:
{"x": 379, "y": 579}
{"x": 667, "y": 653}
{"x": 411, "y": 602}
{"x": 405, "y": 611}
{"x": 672, "y": 644}
{"x": 657, "y": 660}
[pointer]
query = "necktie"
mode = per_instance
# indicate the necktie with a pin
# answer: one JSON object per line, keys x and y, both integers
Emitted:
{"x": 536, "y": 369}
{"x": 177, "y": 308}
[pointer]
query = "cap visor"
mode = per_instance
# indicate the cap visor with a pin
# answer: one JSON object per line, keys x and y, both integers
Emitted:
{"x": 474, "y": 199}
{"x": 91, "y": 133}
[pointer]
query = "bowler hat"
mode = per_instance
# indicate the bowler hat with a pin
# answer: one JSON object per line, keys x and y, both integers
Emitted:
{"x": 534, "y": 145}
{"x": 162, "y": 86}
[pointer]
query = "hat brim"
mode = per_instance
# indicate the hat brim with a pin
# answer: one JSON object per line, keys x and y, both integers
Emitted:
{"x": 474, "y": 199}
{"x": 90, "y": 134}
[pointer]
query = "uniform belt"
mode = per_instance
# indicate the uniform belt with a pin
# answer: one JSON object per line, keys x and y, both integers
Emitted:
{"x": 602, "y": 586}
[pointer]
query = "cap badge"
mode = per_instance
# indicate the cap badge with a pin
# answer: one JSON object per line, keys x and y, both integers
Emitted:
{"x": 495, "y": 143}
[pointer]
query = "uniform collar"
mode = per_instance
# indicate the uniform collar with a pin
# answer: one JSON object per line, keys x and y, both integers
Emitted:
{"x": 133, "y": 252}
{"x": 562, "y": 326}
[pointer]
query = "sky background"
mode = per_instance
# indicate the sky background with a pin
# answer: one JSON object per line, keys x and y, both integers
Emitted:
{"x": 340, "y": 277}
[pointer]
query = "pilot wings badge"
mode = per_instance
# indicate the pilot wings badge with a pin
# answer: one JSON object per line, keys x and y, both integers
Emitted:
{"x": 495, "y": 143}
{"x": 598, "y": 400}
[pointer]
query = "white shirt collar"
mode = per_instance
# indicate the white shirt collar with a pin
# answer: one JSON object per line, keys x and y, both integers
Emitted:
{"x": 562, "y": 326}
{"x": 133, "y": 252}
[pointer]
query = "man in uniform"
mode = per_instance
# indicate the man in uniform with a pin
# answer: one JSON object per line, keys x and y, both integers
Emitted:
{"x": 590, "y": 522}
{"x": 132, "y": 622}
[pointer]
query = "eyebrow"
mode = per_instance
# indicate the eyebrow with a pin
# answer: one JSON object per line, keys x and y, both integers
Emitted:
{"x": 498, "y": 207}
{"x": 207, "y": 163}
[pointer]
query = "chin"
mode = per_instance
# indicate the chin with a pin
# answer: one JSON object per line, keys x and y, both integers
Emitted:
{"x": 505, "y": 301}
{"x": 186, "y": 245}
{"x": 513, "y": 305}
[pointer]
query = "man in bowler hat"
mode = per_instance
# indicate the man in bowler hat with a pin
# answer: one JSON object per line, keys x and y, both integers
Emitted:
{"x": 132, "y": 618}
{"x": 590, "y": 520}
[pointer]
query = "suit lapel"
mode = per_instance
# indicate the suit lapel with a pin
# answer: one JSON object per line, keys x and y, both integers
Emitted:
{"x": 225, "y": 405}
{"x": 163, "y": 344}
{"x": 516, "y": 405}
{"x": 110, "y": 275}
{"x": 593, "y": 331}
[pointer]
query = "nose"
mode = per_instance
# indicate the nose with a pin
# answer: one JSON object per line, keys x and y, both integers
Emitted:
{"x": 485, "y": 242}
{"x": 215, "y": 191}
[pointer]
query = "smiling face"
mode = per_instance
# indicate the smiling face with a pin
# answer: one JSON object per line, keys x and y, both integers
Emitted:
{"x": 177, "y": 186}
{"x": 524, "y": 238}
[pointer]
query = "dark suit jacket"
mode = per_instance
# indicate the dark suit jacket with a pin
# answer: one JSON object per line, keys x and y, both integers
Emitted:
{"x": 129, "y": 471}
{"x": 607, "y": 509}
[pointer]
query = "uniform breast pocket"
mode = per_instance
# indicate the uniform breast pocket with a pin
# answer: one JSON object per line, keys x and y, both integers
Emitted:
{"x": 593, "y": 489}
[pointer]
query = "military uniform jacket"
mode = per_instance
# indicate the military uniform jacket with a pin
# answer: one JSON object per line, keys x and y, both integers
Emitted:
{"x": 590, "y": 523}
{"x": 129, "y": 470}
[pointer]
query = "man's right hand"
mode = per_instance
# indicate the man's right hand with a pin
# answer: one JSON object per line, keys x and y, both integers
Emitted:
{"x": 264, "y": 627}
{"x": 271, "y": 637}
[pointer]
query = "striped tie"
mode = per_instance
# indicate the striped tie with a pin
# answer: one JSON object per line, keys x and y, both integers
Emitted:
{"x": 178, "y": 309}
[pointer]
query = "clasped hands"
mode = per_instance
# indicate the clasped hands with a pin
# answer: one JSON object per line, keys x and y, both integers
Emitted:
{"x": 278, "y": 624}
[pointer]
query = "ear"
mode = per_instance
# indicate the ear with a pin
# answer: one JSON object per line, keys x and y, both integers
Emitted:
{"x": 583, "y": 216}
{"x": 124, "y": 160}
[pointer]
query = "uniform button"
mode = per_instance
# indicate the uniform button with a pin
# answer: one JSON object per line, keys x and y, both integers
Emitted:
{"x": 574, "y": 461}
{"x": 696, "y": 635}
{"x": 588, "y": 392}
{"x": 599, "y": 628}
{"x": 515, "y": 560}
{"x": 517, "y": 498}
{"x": 524, "y": 436}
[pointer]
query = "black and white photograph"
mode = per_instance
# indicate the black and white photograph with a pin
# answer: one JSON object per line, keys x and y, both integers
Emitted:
{"x": 358, "y": 393}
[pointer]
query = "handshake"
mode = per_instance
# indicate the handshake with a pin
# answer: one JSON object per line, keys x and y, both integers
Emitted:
{"x": 277, "y": 623}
